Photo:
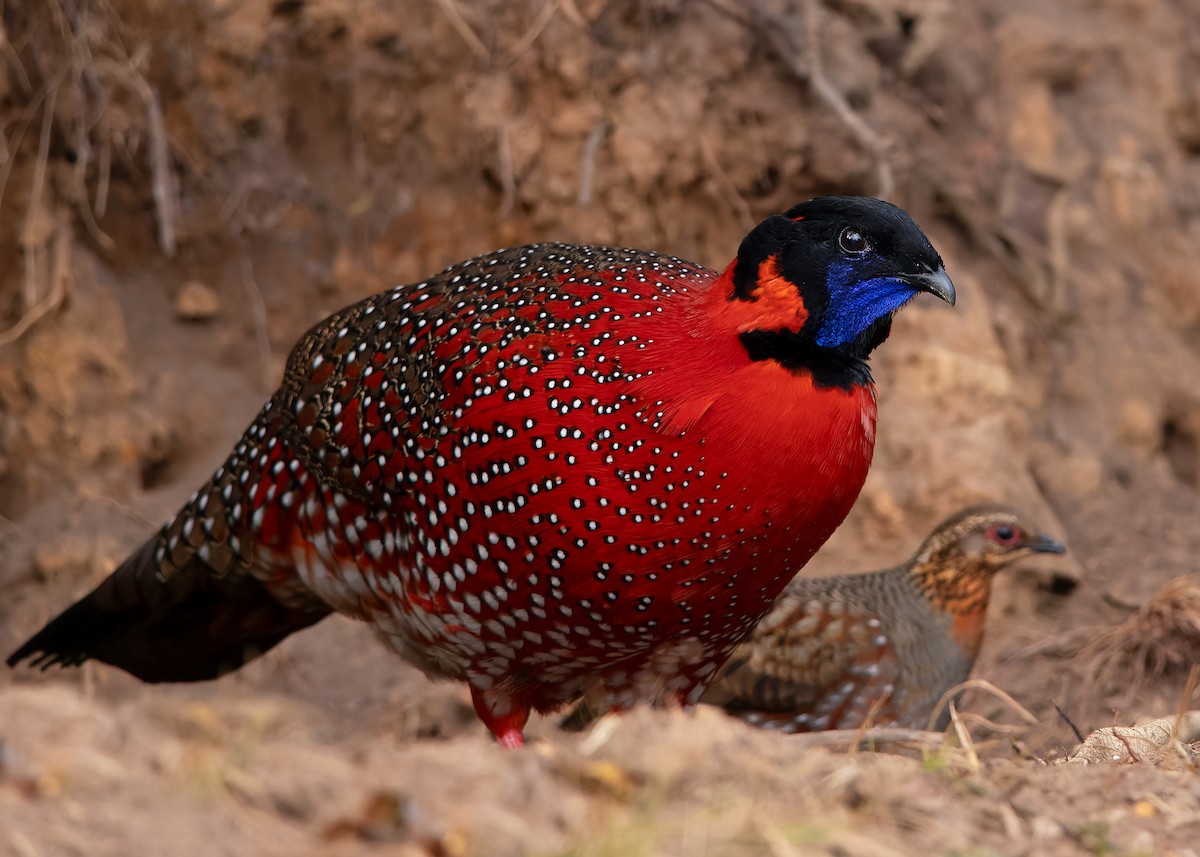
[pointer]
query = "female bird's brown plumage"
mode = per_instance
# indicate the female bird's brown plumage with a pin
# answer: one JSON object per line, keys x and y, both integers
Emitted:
{"x": 887, "y": 645}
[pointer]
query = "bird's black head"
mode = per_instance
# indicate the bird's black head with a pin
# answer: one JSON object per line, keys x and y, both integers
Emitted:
{"x": 824, "y": 280}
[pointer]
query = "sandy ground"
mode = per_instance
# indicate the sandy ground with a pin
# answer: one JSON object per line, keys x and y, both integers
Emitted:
{"x": 294, "y": 156}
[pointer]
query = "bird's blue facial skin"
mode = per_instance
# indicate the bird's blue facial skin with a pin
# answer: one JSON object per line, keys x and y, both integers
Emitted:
{"x": 855, "y": 303}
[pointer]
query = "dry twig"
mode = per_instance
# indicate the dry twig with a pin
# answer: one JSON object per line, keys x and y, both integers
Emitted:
{"x": 587, "y": 163}
{"x": 600, "y": 734}
{"x": 58, "y": 279}
{"x": 964, "y": 736}
{"x": 45, "y": 281}
{"x": 258, "y": 311}
{"x": 873, "y": 738}
{"x": 802, "y": 55}
{"x": 572, "y": 13}
{"x": 535, "y": 30}
{"x": 1063, "y": 716}
{"x": 725, "y": 184}
{"x": 827, "y": 92}
{"x": 1039, "y": 271}
{"x": 984, "y": 685}
{"x": 14, "y": 60}
{"x": 455, "y": 15}
{"x": 508, "y": 179}
{"x": 1185, "y": 698}
{"x": 35, "y": 215}
{"x": 164, "y": 182}
{"x": 31, "y": 110}
{"x": 83, "y": 47}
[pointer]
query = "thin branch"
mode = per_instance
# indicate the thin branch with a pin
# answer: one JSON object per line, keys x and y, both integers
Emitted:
{"x": 572, "y": 13}
{"x": 873, "y": 738}
{"x": 104, "y": 175}
{"x": 165, "y": 184}
{"x": 93, "y": 496}
{"x": 1062, "y": 714}
{"x": 964, "y": 736}
{"x": 1185, "y": 698}
{"x": 258, "y": 312}
{"x": 587, "y": 163}
{"x": 535, "y": 30}
{"x": 868, "y": 723}
{"x": 600, "y": 734}
{"x": 973, "y": 719}
{"x": 725, "y": 184}
{"x": 508, "y": 180}
{"x": 737, "y": 13}
{"x": 30, "y": 112}
{"x": 83, "y": 149}
{"x": 803, "y": 58}
{"x": 464, "y": 29}
{"x": 11, "y": 54}
{"x": 828, "y": 93}
{"x": 34, "y": 212}
{"x": 985, "y": 685}
{"x": 59, "y": 276}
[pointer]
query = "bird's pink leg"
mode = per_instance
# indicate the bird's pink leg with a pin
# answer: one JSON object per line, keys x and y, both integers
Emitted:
{"x": 504, "y": 716}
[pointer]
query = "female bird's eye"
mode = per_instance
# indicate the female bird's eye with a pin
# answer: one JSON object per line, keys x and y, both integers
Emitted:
{"x": 853, "y": 241}
{"x": 1004, "y": 534}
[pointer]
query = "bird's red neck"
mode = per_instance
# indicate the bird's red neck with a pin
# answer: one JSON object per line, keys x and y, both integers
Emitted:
{"x": 708, "y": 361}
{"x": 809, "y": 446}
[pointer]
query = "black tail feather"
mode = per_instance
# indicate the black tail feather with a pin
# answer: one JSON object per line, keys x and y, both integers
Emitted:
{"x": 194, "y": 625}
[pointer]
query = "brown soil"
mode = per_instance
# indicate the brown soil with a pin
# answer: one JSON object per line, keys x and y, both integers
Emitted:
{"x": 187, "y": 187}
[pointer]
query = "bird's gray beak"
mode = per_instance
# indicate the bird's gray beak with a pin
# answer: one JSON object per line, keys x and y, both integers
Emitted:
{"x": 937, "y": 283}
{"x": 1042, "y": 543}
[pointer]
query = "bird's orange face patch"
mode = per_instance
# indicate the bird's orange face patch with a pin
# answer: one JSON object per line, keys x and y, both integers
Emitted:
{"x": 775, "y": 302}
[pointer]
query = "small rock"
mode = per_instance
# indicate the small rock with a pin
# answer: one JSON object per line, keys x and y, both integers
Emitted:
{"x": 1139, "y": 426}
{"x": 1043, "y": 828}
{"x": 196, "y": 302}
{"x": 1143, "y": 843}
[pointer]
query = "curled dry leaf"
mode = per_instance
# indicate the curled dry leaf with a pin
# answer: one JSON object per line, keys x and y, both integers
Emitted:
{"x": 1150, "y": 743}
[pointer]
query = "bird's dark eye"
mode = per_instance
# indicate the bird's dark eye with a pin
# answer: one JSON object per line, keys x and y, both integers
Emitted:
{"x": 1004, "y": 534}
{"x": 852, "y": 241}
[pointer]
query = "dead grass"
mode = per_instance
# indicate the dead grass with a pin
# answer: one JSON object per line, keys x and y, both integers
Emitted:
{"x": 1160, "y": 637}
{"x": 74, "y": 76}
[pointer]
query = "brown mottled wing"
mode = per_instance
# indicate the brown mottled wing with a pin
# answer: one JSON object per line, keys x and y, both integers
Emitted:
{"x": 814, "y": 663}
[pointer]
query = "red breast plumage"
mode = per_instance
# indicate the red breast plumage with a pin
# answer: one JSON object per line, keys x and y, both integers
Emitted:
{"x": 550, "y": 470}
